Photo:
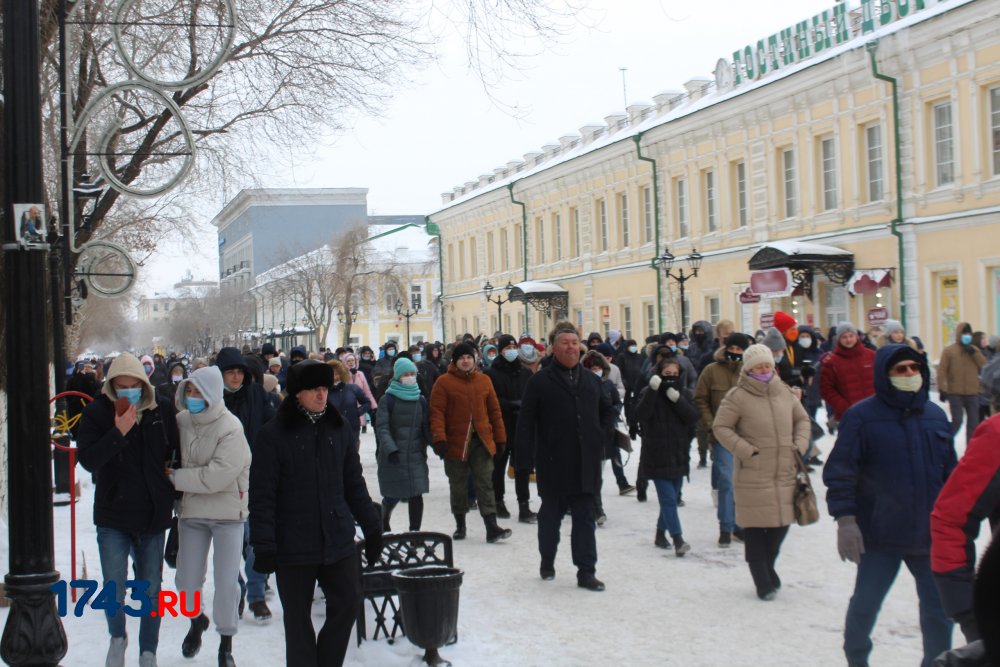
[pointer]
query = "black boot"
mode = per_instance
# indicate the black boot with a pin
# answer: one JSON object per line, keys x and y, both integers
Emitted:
{"x": 680, "y": 546}
{"x": 226, "y": 651}
{"x": 459, "y": 533}
{"x": 192, "y": 641}
{"x": 493, "y": 531}
{"x": 416, "y": 509}
{"x": 640, "y": 492}
{"x": 661, "y": 539}
{"x": 502, "y": 511}
{"x": 386, "y": 513}
{"x": 524, "y": 514}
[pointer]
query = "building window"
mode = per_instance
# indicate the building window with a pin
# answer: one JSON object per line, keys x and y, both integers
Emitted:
{"x": 541, "y": 240}
{"x": 944, "y": 150}
{"x": 416, "y": 296}
{"x": 835, "y": 305}
{"x": 647, "y": 215}
{"x": 623, "y": 217}
{"x": 651, "y": 327}
{"x": 506, "y": 324}
{"x": 995, "y": 128}
{"x": 602, "y": 223}
{"x": 682, "y": 208}
{"x": 574, "y": 216}
{"x": 740, "y": 189}
{"x": 461, "y": 260}
{"x": 156, "y": 308}
{"x": 451, "y": 261}
{"x": 473, "y": 259}
{"x": 557, "y": 235}
{"x": 829, "y": 169}
{"x": 788, "y": 177}
{"x": 578, "y": 317}
{"x": 710, "y": 209}
{"x": 626, "y": 321}
{"x": 714, "y": 308}
{"x": 873, "y": 137}
{"x": 504, "y": 251}
{"x": 491, "y": 266}
{"x": 518, "y": 260}
{"x": 475, "y": 326}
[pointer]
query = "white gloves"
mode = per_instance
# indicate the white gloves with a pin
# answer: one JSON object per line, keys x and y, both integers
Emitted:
{"x": 673, "y": 394}
{"x": 654, "y": 382}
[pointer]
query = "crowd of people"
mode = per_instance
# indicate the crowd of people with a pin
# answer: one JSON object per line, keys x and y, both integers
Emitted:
{"x": 254, "y": 456}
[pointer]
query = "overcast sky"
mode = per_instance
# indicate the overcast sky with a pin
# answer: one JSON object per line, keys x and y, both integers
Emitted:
{"x": 443, "y": 129}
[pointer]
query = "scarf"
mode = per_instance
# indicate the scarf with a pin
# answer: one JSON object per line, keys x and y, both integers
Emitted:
{"x": 403, "y": 392}
{"x": 313, "y": 417}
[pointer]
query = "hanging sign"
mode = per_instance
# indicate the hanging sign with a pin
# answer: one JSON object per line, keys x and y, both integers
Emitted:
{"x": 772, "y": 283}
{"x": 748, "y": 296}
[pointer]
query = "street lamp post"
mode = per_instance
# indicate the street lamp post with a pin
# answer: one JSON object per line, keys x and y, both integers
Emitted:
{"x": 408, "y": 313}
{"x": 666, "y": 262}
{"x": 499, "y": 300}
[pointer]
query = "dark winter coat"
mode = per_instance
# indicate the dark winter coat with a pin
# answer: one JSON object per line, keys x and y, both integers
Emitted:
{"x": 893, "y": 454}
{"x": 509, "y": 379}
{"x": 560, "y": 430}
{"x": 250, "y": 403}
{"x": 132, "y": 493}
{"x": 667, "y": 429}
{"x": 713, "y": 384}
{"x": 847, "y": 377}
{"x": 403, "y": 427}
{"x": 307, "y": 489}
{"x": 351, "y": 402}
{"x": 610, "y": 393}
{"x": 702, "y": 348}
{"x": 168, "y": 389}
{"x": 428, "y": 373}
{"x": 85, "y": 383}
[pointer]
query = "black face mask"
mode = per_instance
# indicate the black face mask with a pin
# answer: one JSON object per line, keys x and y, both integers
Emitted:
{"x": 734, "y": 356}
{"x": 670, "y": 381}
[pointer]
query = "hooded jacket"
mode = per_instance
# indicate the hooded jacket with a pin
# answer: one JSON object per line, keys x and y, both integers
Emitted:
{"x": 132, "y": 491}
{"x": 215, "y": 456}
{"x": 509, "y": 378}
{"x": 250, "y": 403}
{"x": 847, "y": 377}
{"x": 667, "y": 428}
{"x": 462, "y": 403}
{"x": 702, "y": 348}
{"x": 169, "y": 388}
{"x": 348, "y": 398}
{"x": 713, "y": 384}
{"x": 763, "y": 425}
{"x": 893, "y": 454}
{"x": 958, "y": 370}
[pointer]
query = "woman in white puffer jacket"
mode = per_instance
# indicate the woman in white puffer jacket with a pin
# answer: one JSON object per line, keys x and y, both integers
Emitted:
{"x": 214, "y": 477}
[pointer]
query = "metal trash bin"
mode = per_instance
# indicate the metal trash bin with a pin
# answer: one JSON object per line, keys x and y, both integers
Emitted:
{"x": 428, "y": 601}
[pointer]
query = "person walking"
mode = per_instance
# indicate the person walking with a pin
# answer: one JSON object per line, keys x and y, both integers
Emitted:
{"x": 128, "y": 451}
{"x": 847, "y": 375}
{"x": 402, "y": 436}
{"x": 468, "y": 430}
{"x": 214, "y": 478}
{"x": 763, "y": 424}
{"x": 667, "y": 414}
{"x": 958, "y": 380}
{"x": 307, "y": 490}
{"x": 893, "y": 454}
{"x": 349, "y": 399}
{"x": 559, "y": 429}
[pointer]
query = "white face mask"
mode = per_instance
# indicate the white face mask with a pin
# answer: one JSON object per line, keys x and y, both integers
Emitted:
{"x": 409, "y": 380}
{"x": 910, "y": 383}
{"x": 510, "y": 355}
{"x": 599, "y": 372}
{"x": 805, "y": 341}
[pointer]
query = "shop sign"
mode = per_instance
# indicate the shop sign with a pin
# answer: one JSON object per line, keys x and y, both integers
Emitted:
{"x": 748, "y": 296}
{"x": 766, "y": 320}
{"x": 772, "y": 282}
{"x": 877, "y": 316}
{"x": 606, "y": 313}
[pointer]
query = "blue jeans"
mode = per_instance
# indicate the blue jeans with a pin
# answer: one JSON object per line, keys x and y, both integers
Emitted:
{"x": 722, "y": 472}
{"x": 668, "y": 490}
{"x": 146, "y": 549}
{"x": 876, "y": 573}
{"x": 255, "y": 580}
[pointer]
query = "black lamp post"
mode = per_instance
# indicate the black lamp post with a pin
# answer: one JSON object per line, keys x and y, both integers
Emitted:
{"x": 353, "y": 315}
{"x": 408, "y": 313}
{"x": 499, "y": 300}
{"x": 666, "y": 261}
{"x": 33, "y": 634}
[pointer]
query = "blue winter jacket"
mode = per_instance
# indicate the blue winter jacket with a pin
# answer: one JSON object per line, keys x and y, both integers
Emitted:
{"x": 893, "y": 453}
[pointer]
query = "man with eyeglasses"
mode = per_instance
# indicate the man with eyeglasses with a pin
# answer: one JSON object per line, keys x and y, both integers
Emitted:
{"x": 893, "y": 453}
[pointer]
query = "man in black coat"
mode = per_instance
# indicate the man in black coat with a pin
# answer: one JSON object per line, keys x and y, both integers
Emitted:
{"x": 128, "y": 452}
{"x": 510, "y": 378}
{"x": 306, "y": 491}
{"x": 560, "y": 427}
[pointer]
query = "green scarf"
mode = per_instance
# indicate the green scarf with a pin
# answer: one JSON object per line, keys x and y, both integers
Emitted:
{"x": 403, "y": 392}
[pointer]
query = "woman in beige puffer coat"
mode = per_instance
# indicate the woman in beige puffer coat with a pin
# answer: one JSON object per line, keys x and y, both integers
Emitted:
{"x": 762, "y": 423}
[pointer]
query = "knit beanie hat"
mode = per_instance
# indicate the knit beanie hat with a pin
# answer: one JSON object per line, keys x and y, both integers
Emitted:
{"x": 773, "y": 340}
{"x": 844, "y": 327}
{"x": 783, "y": 321}
{"x": 403, "y": 365}
{"x": 463, "y": 349}
{"x": 606, "y": 349}
{"x": 757, "y": 354}
{"x": 892, "y": 326}
{"x": 505, "y": 340}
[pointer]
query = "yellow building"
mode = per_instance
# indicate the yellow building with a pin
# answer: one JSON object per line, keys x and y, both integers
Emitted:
{"x": 793, "y": 145}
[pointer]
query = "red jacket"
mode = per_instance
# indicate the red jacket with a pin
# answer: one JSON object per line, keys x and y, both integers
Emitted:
{"x": 971, "y": 494}
{"x": 848, "y": 376}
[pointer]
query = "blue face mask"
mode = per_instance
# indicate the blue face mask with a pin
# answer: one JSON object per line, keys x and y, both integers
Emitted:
{"x": 966, "y": 339}
{"x": 391, "y": 352}
{"x": 510, "y": 355}
{"x": 194, "y": 404}
{"x": 133, "y": 395}
{"x": 417, "y": 357}
{"x": 673, "y": 348}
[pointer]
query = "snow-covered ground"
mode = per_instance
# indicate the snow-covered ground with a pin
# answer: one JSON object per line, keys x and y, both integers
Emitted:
{"x": 657, "y": 610}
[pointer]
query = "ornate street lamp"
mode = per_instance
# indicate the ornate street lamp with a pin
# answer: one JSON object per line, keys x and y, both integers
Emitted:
{"x": 408, "y": 313}
{"x": 666, "y": 262}
{"x": 499, "y": 300}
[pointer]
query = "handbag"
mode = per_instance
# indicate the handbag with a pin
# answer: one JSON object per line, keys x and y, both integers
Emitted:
{"x": 804, "y": 499}
{"x": 622, "y": 439}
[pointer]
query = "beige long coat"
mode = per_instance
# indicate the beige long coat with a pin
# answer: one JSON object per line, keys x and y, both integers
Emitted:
{"x": 761, "y": 424}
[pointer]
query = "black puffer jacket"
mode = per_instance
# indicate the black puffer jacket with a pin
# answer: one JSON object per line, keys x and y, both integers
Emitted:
{"x": 667, "y": 429}
{"x": 307, "y": 489}
{"x": 509, "y": 382}
{"x": 250, "y": 403}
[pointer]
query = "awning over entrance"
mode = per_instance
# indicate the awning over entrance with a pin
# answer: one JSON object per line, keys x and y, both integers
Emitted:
{"x": 804, "y": 260}
{"x": 546, "y": 297}
{"x": 868, "y": 281}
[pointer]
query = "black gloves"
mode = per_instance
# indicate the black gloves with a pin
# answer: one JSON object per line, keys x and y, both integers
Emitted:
{"x": 265, "y": 562}
{"x": 373, "y": 547}
{"x": 440, "y": 448}
{"x": 633, "y": 431}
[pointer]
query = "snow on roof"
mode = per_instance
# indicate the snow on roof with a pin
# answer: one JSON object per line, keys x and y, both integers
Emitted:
{"x": 539, "y": 287}
{"x": 800, "y": 248}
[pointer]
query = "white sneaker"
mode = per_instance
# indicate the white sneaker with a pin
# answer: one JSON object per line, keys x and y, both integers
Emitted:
{"x": 116, "y": 652}
{"x": 147, "y": 659}
{"x": 715, "y": 498}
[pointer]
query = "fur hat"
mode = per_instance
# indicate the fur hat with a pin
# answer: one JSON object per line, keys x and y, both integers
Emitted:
{"x": 773, "y": 340}
{"x": 756, "y": 355}
{"x": 844, "y": 327}
{"x": 463, "y": 349}
{"x": 738, "y": 339}
{"x": 308, "y": 374}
